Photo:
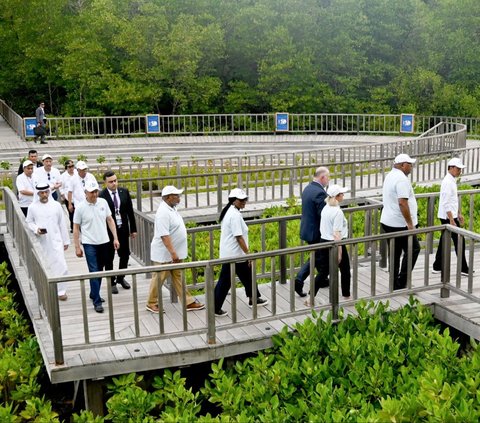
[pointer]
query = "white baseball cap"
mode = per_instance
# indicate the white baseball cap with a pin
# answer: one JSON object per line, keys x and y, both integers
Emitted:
{"x": 404, "y": 158}
{"x": 238, "y": 193}
{"x": 27, "y": 163}
{"x": 91, "y": 186}
{"x": 81, "y": 165}
{"x": 334, "y": 190}
{"x": 456, "y": 162}
{"x": 47, "y": 156}
{"x": 170, "y": 189}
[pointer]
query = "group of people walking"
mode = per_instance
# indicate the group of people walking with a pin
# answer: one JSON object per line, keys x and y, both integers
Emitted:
{"x": 103, "y": 221}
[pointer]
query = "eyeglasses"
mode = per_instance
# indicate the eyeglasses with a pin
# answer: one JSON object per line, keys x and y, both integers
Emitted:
{"x": 48, "y": 176}
{"x": 70, "y": 166}
{"x": 83, "y": 182}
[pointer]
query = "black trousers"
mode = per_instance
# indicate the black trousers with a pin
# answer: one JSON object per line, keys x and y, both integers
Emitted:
{"x": 321, "y": 280}
{"x": 437, "y": 264}
{"x": 123, "y": 253}
{"x": 304, "y": 271}
{"x": 244, "y": 273}
{"x": 401, "y": 245}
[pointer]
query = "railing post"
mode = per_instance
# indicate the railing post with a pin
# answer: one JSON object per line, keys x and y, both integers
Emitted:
{"x": 282, "y": 244}
{"x": 55, "y": 323}
{"x": 219, "y": 193}
{"x": 139, "y": 195}
{"x": 333, "y": 257}
{"x": 211, "y": 337}
{"x": 430, "y": 221}
{"x": 353, "y": 184}
{"x": 446, "y": 254}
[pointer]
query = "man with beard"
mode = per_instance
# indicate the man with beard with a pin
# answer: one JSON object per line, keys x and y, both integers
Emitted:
{"x": 46, "y": 220}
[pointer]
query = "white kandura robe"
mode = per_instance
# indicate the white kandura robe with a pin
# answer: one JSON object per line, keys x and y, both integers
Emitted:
{"x": 51, "y": 217}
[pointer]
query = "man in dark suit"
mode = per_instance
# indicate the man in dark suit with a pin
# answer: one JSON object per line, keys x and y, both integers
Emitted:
{"x": 120, "y": 204}
{"x": 313, "y": 201}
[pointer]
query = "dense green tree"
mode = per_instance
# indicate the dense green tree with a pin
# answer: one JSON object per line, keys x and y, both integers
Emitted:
{"x": 86, "y": 57}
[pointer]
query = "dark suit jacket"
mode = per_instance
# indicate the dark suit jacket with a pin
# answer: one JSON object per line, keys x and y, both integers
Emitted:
{"x": 126, "y": 209}
{"x": 313, "y": 201}
{"x": 20, "y": 169}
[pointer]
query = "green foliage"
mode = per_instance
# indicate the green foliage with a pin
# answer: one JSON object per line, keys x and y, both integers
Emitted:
{"x": 137, "y": 159}
{"x": 63, "y": 159}
{"x": 82, "y": 157}
{"x": 170, "y": 401}
{"x": 101, "y": 159}
{"x": 379, "y": 366}
{"x": 5, "y": 165}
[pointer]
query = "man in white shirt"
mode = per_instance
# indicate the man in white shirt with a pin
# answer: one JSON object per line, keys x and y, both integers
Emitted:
{"x": 46, "y": 220}
{"x": 169, "y": 245}
{"x": 399, "y": 214}
{"x": 76, "y": 186}
{"x": 25, "y": 186}
{"x": 449, "y": 212}
{"x": 47, "y": 174}
{"x": 91, "y": 219}
{"x": 66, "y": 178}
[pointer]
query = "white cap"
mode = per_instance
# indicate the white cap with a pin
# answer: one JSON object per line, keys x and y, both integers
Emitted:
{"x": 91, "y": 186}
{"x": 456, "y": 162}
{"x": 238, "y": 193}
{"x": 81, "y": 165}
{"x": 47, "y": 156}
{"x": 27, "y": 163}
{"x": 170, "y": 189}
{"x": 334, "y": 190}
{"x": 404, "y": 158}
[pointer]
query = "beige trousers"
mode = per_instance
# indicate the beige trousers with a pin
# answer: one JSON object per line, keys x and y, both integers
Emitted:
{"x": 176, "y": 282}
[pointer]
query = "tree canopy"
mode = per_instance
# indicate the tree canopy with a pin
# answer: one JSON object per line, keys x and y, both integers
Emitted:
{"x": 110, "y": 57}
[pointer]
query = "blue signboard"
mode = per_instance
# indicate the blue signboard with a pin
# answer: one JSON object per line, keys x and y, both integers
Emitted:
{"x": 153, "y": 124}
{"x": 29, "y": 125}
{"x": 281, "y": 121}
{"x": 407, "y": 123}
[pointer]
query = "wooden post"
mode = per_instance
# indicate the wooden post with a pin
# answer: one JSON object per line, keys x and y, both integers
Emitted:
{"x": 93, "y": 394}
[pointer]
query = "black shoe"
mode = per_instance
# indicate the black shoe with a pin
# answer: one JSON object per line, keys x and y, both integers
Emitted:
{"x": 124, "y": 283}
{"x": 261, "y": 302}
{"x": 114, "y": 289}
{"x": 98, "y": 308}
{"x": 299, "y": 288}
{"x": 45, "y": 142}
{"x": 221, "y": 313}
{"x": 101, "y": 299}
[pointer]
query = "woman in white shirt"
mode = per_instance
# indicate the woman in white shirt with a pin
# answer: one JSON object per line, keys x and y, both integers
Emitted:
{"x": 234, "y": 243}
{"x": 334, "y": 227}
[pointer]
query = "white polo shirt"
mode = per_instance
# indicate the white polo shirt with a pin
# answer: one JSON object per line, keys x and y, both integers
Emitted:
{"x": 168, "y": 222}
{"x": 76, "y": 186}
{"x": 395, "y": 186}
{"x": 24, "y": 183}
{"x": 333, "y": 220}
{"x": 448, "y": 198}
{"x": 233, "y": 225}
{"x": 92, "y": 219}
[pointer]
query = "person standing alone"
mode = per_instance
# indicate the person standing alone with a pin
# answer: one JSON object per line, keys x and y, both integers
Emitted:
{"x": 41, "y": 123}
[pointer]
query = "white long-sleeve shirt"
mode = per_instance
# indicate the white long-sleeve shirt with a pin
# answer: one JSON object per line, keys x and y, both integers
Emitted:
{"x": 448, "y": 198}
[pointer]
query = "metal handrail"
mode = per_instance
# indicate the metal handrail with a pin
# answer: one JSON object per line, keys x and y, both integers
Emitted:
{"x": 12, "y": 118}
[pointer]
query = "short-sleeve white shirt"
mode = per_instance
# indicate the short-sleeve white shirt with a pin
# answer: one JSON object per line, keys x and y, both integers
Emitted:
{"x": 77, "y": 187}
{"x": 92, "y": 219}
{"x": 65, "y": 178}
{"x": 333, "y": 220}
{"x": 168, "y": 222}
{"x": 233, "y": 225}
{"x": 448, "y": 198}
{"x": 24, "y": 183}
{"x": 396, "y": 186}
{"x": 40, "y": 175}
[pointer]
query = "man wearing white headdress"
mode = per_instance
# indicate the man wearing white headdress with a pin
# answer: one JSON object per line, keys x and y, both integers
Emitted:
{"x": 46, "y": 220}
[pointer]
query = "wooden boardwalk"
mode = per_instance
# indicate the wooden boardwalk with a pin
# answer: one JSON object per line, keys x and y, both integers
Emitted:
{"x": 153, "y": 351}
